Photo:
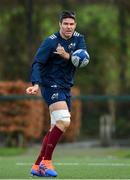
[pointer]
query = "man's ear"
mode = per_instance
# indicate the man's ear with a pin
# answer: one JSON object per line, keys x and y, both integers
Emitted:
{"x": 60, "y": 24}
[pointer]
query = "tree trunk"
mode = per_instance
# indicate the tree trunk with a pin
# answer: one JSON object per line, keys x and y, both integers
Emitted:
{"x": 123, "y": 47}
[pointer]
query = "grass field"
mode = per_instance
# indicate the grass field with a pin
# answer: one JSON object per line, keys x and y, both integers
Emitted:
{"x": 71, "y": 163}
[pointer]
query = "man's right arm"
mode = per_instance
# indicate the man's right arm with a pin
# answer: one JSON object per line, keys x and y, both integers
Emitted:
{"x": 33, "y": 90}
{"x": 40, "y": 59}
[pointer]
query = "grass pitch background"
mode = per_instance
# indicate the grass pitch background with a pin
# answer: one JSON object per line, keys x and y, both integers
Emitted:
{"x": 71, "y": 162}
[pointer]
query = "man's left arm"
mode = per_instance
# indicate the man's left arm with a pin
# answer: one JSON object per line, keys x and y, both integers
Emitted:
{"x": 81, "y": 43}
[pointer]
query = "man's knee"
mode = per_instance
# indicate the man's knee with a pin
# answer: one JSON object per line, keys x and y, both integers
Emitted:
{"x": 62, "y": 118}
{"x": 63, "y": 124}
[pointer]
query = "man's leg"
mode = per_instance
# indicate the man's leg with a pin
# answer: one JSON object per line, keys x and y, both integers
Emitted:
{"x": 43, "y": 148}
{"x": 44, "y": 143}
{"x": 35, "y": 168}
{"x": 60, "y": 113}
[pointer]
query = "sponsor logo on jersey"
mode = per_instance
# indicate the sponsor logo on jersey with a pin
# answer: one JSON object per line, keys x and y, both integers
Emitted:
{"x": 76, "y": 34}
{"x": 54, "y": 86}
{"x": 54, "y": 96}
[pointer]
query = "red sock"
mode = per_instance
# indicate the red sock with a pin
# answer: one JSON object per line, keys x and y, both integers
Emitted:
{"x": 43, "y": 149}
{"x": 53, "y": 139}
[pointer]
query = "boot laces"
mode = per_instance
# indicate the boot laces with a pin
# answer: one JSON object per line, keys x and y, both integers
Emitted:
{"x": 47, "y": 164}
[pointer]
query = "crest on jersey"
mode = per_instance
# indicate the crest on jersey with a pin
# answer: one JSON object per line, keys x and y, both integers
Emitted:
{"x": 72, "y": 45}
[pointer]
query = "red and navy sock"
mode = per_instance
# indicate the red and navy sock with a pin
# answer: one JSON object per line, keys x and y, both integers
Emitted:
{"x": 53, "y": 139}
{"x": 43, "y": 149}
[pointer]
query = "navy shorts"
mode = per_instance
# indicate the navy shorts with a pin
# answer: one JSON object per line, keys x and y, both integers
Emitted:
{"x": 52, "y": 95}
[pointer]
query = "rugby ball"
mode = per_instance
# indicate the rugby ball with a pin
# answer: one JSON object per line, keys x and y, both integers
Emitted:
{"x": 80, "y": 58}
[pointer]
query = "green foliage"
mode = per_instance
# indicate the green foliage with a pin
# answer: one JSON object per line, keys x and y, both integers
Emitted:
{"x": 14, "y": 52}
{"x": 99, "y": 19}
{"x": 122, "y": 127}
{"x": 99, "y": 23}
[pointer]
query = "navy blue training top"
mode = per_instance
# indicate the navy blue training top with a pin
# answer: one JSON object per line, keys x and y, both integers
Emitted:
{"x": 52, "y": 70}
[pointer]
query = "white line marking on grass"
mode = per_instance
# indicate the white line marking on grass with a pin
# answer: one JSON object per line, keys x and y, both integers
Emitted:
{"x": 24, "y": 164}
{"x": 59, "y": 179}
{"x": 58, "y": 164}
{"x": 67, "y": 164}
{"x": 78, "y": 164}
{"x": 108, "y": 164}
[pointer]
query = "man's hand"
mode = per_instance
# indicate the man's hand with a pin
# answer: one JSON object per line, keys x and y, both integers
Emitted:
{"x": 33, "y": 90}
{"x": 61, "y": 51}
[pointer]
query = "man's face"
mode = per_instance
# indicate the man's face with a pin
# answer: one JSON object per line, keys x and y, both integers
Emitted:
{"x": 67, "y": 27}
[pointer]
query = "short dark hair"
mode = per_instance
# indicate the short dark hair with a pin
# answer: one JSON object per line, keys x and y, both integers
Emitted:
{"x": 67, "y": 14}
